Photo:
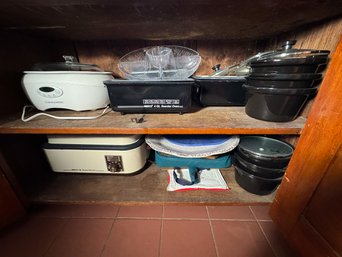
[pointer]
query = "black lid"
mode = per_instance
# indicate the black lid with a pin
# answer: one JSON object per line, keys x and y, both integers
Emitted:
{"x": 284, "y": 56}
{"x": 290, "y": 56}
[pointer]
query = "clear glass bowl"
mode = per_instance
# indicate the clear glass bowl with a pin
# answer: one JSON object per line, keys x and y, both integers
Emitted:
{"x": 160, "y": 63}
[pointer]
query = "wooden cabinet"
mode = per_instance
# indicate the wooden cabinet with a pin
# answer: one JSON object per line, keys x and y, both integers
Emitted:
{"x": 89, "y": 30}
{"x": 307, "y": 206}
{"x": 101, "y": 31}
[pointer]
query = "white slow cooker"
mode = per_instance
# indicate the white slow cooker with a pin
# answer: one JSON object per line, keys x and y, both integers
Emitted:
{"x": 66, "y": 85}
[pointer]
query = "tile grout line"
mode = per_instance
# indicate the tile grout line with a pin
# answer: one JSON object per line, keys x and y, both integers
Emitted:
{"x": 76, "y": 218}
{"x": 146, "y": 218}
{"x": 212, "y": 232}
{"x": 180, "y": 219}
{"x": 161, "y": 232}
{"x": 57, "y": 234}
{"x": 138, "y": 218}
{"x": 241, "y": 220}
{"x": 263, "y": 232}
{"x": 202, "y": 219}
{"x": 110, "y": 232}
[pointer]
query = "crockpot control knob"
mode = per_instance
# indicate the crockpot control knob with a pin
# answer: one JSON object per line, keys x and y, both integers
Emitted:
{"x": 288, "y": 44}
{"x": 217, "y": 67}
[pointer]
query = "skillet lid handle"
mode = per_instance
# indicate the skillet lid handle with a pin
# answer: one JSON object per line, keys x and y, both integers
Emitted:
{"x": 288, "y": 44}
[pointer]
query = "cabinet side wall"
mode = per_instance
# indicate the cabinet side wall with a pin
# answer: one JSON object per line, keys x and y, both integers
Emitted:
{"x": 18, "y": 53}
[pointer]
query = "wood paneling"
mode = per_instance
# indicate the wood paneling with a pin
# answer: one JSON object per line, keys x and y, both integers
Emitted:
{"x": 225, "y": 53}
{"x": 319, "y": 143}
{"x": 106, "y": 54}
{"x": 326, "y": 202}
{"x": 168, "y": 19}
{"x": 309, "y": 242}
{"x": 324, "y": 35}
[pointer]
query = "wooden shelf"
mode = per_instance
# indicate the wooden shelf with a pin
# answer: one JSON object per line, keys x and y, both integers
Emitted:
{"x": 210, "y": 120}
{"x": 148, "y": 187}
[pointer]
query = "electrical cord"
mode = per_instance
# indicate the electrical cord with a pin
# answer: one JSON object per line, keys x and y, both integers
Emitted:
{"x": 105, "y": 111}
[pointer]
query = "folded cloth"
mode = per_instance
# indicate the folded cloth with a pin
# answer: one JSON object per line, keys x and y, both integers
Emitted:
{"x": 209, "y": 179}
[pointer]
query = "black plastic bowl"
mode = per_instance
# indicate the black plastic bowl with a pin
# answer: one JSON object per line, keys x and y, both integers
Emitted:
{"x": 257, "y": 170}
{"x": 276, "y": 104}
{"x": 306, "y": 80}
{"x": 255, "y": 184}
{"x": 265, "y": 152}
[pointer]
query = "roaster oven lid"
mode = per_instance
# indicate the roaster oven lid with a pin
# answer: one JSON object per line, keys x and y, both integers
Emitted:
{"x": 68, "y": 65}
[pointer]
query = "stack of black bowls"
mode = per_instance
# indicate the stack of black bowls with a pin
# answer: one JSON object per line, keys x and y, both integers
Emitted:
{"x": 260, "y": 163}
{"x": 281, "y": 81}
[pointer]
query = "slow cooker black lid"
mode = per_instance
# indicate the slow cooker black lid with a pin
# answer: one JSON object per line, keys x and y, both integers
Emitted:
{"x": 291, "y": 60}
{"x": 283, "y": 55}
{"x": 291, "y": 55}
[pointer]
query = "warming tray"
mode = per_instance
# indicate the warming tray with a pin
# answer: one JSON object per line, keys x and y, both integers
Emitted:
{"x": 136, "y": 96}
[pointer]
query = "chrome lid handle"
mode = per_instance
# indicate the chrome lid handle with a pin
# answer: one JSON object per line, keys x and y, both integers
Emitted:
{"x": 288, "y": 44}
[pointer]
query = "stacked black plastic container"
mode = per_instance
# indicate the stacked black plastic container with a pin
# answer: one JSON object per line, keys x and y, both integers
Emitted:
{"x": 260, "y": 163}
{"x": 281, "y": 81}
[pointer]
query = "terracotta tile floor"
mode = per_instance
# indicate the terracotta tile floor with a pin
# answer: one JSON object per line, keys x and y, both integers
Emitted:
{"x": 144, "y": 231}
